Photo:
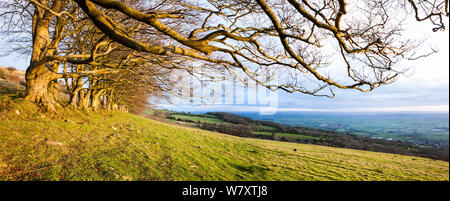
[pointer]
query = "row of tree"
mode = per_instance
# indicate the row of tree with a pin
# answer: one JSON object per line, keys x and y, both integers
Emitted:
{"x": 68, "y": 48}
{"x": 115, "y": 54}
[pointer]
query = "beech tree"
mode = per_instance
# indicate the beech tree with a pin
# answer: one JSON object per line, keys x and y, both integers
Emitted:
{"x": 59, "y": 37}
{"x": 67, "y": 46}
{"x": 307, "y": 45}
{"x": 260, "y": 36}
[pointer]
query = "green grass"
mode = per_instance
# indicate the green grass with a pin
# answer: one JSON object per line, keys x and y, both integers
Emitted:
{"x": 201, "y": 119}
{"x": 74, "y": 145}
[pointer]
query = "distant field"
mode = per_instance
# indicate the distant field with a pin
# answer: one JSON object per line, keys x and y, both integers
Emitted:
{"x": 418, "y": 128}
{"x": 122, "y": 146}
{"x": 201, "y": 119}
{"x": 213, "y": 119}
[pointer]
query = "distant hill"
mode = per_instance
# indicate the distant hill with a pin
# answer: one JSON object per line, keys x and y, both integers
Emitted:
{"x": 77, "y": 145}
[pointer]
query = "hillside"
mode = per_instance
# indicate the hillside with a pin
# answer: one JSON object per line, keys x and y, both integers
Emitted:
{"x": 75, "y": 145}
{"x": 233, "y": 124}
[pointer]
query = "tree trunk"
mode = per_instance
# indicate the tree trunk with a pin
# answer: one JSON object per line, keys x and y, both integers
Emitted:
{"x": 39, "y": 75}
{"x": 85, "y": 99}
{"x": 39, "y": 89}
{"x": 95, "y": 101}
{"x": 74, "y": 96}
{"x": 109, "y": 100}
{"x": 114, "y": 107}
{"x": 73, "y": 99}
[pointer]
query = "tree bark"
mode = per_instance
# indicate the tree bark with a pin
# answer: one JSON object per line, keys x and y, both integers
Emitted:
{"x": 39, "y": 89}
{"x": 74, "y": 96}
{"x": 96, "y": 100}
{"x": 85, "y": 99}
{"x": 39, "y": 74}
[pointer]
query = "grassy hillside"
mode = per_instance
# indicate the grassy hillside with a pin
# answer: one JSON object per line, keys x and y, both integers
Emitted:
{"x": 76, "y": 145}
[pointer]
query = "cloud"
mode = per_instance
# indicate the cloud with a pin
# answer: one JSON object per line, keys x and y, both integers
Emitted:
{"x": 425, "y": 89}
{"x": 428, "y": 108}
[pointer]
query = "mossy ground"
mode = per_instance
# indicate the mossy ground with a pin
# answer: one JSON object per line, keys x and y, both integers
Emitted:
{"x": 77, "y": 145}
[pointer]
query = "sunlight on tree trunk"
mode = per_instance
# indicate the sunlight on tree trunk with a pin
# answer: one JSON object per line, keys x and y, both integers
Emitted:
{"x": 39, "y": 89}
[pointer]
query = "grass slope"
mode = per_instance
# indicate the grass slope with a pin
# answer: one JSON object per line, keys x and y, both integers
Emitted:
{"x": 121, "y": 146}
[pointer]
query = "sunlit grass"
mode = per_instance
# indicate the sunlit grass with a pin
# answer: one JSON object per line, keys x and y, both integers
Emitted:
{"x": 74, "y": 145}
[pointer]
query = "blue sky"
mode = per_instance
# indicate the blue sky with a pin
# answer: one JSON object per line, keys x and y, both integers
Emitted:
{"x": 425, "y": 88}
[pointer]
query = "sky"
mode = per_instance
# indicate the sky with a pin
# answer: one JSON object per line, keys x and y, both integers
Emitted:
{"x": 423, "y": 89}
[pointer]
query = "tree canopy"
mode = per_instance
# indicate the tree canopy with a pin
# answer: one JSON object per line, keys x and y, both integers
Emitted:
{"x": 306, "y": 46}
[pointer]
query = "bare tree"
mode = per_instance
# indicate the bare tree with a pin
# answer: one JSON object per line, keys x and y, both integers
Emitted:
{"x": 301, "y": 43}
{"x": 66, "y": 45}
{"x": 291, "y": 37}
{"x": 52, "y": 28}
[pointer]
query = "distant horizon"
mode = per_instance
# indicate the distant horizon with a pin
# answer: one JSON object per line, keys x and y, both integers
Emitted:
{"x": 308, "y": 111}
{"x": 444, "y": 109}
